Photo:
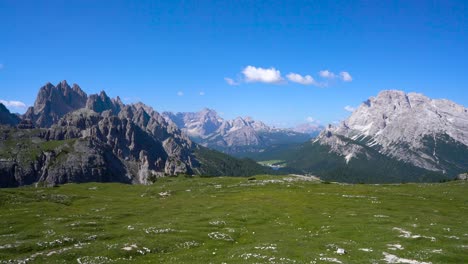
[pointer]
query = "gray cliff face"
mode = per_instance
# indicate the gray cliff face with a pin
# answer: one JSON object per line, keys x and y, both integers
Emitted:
{"x": 102, "y": 102}
{"x": 7, "y": 118}
{"x": 409, "y": 127}
{"x": 53, "y": 102}
{"x": 207, "y": 128}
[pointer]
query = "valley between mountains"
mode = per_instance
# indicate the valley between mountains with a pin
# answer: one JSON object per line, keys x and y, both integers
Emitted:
{"x": 68, "y": 136}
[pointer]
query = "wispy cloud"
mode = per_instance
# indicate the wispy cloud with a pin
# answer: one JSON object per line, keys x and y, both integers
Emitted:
{"x": 310, "y": 119}
{"x": 345, "y": 76}
{"x": 305, "y": 80}
{"x": 254, "y": 74}
{"x": 15, "y": 104}
{"x": 202, "y": 93}
{"x": 230, "y": 81}
{"x": 327, "y": 74}
{"x": 349, "y": 108}
{"x": 180, "y": 93}
{"x": 273, "y": 76}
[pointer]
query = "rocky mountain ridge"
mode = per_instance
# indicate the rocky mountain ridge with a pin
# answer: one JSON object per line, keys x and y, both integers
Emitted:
{"x": 207, "y": 128}
{"x": 80, "y": 138}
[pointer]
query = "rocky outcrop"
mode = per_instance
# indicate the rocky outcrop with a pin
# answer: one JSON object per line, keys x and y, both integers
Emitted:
{"x": 207, "y": 128}
{"x": 462, "y": 177}
{"x": 102, "y": 102}
{"x": 7, "y": 118}
{"x": 53, "y": 102}
{"x": 25, "y": 124}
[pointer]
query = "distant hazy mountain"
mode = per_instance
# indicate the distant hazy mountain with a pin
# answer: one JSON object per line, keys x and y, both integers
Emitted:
{"x": 96, "y": 138}
{"x": 232, "y": 136}
{"x": 308, "y": 128}
{"x": 391, "y": 137}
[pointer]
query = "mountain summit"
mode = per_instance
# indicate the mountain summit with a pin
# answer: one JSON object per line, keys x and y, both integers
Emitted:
{"x": 53, "y": 102}
{"x": 409, "y": 127}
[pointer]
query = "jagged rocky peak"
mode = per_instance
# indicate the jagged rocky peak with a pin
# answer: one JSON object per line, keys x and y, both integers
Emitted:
{"x": 405, "y": 126}
{"x": 101, "y": 102}
{"x": 53, "y": 102}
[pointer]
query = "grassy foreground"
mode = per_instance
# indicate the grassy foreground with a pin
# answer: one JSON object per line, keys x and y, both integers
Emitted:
{"x": 269, "y": 219}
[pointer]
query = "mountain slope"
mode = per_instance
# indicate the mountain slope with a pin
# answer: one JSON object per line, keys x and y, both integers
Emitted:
{"x": 236, "y": 136}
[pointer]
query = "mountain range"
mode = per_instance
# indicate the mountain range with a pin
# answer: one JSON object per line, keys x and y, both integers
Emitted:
{"x": 68, "y": 136}
{"x": 392, "y": 137}
{"x": 237, "y": 136}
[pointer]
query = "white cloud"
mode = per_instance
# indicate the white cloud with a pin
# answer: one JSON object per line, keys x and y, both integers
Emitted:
{"x": 345, "y": 76}
{"x": 231, "y": 81}
{"x": 254, "y": 74}
{"x": 14, "y": 104}
{"x": 202, "y": 93}
{"x": 349, "y": 108}
{"x": 297, "y": 78}
{"x": 327, "y": 74}
{"x": 180, "y": 93}
{"x": 310, "y": 119}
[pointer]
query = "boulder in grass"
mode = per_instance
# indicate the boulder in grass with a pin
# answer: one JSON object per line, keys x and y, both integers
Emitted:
{"x": 462, "y": 177}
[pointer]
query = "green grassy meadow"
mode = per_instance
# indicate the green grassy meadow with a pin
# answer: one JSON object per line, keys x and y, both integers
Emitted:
{"x": 266, "y": 219}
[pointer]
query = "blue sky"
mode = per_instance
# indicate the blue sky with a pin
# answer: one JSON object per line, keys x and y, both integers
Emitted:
{"x": 176, "y": 55}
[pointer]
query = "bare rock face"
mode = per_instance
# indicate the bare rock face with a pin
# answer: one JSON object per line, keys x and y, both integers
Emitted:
{"x": 7, "y": 118}
{"x": 102, "y": 102}
{"x": 90, "y": 160}
{"x": 409, "y": 127}
{"x": 207, "y": 128}
{"x": 53, "y": 102}
{"x": 25, "y": 124}
{"x": 133, "y": 136}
